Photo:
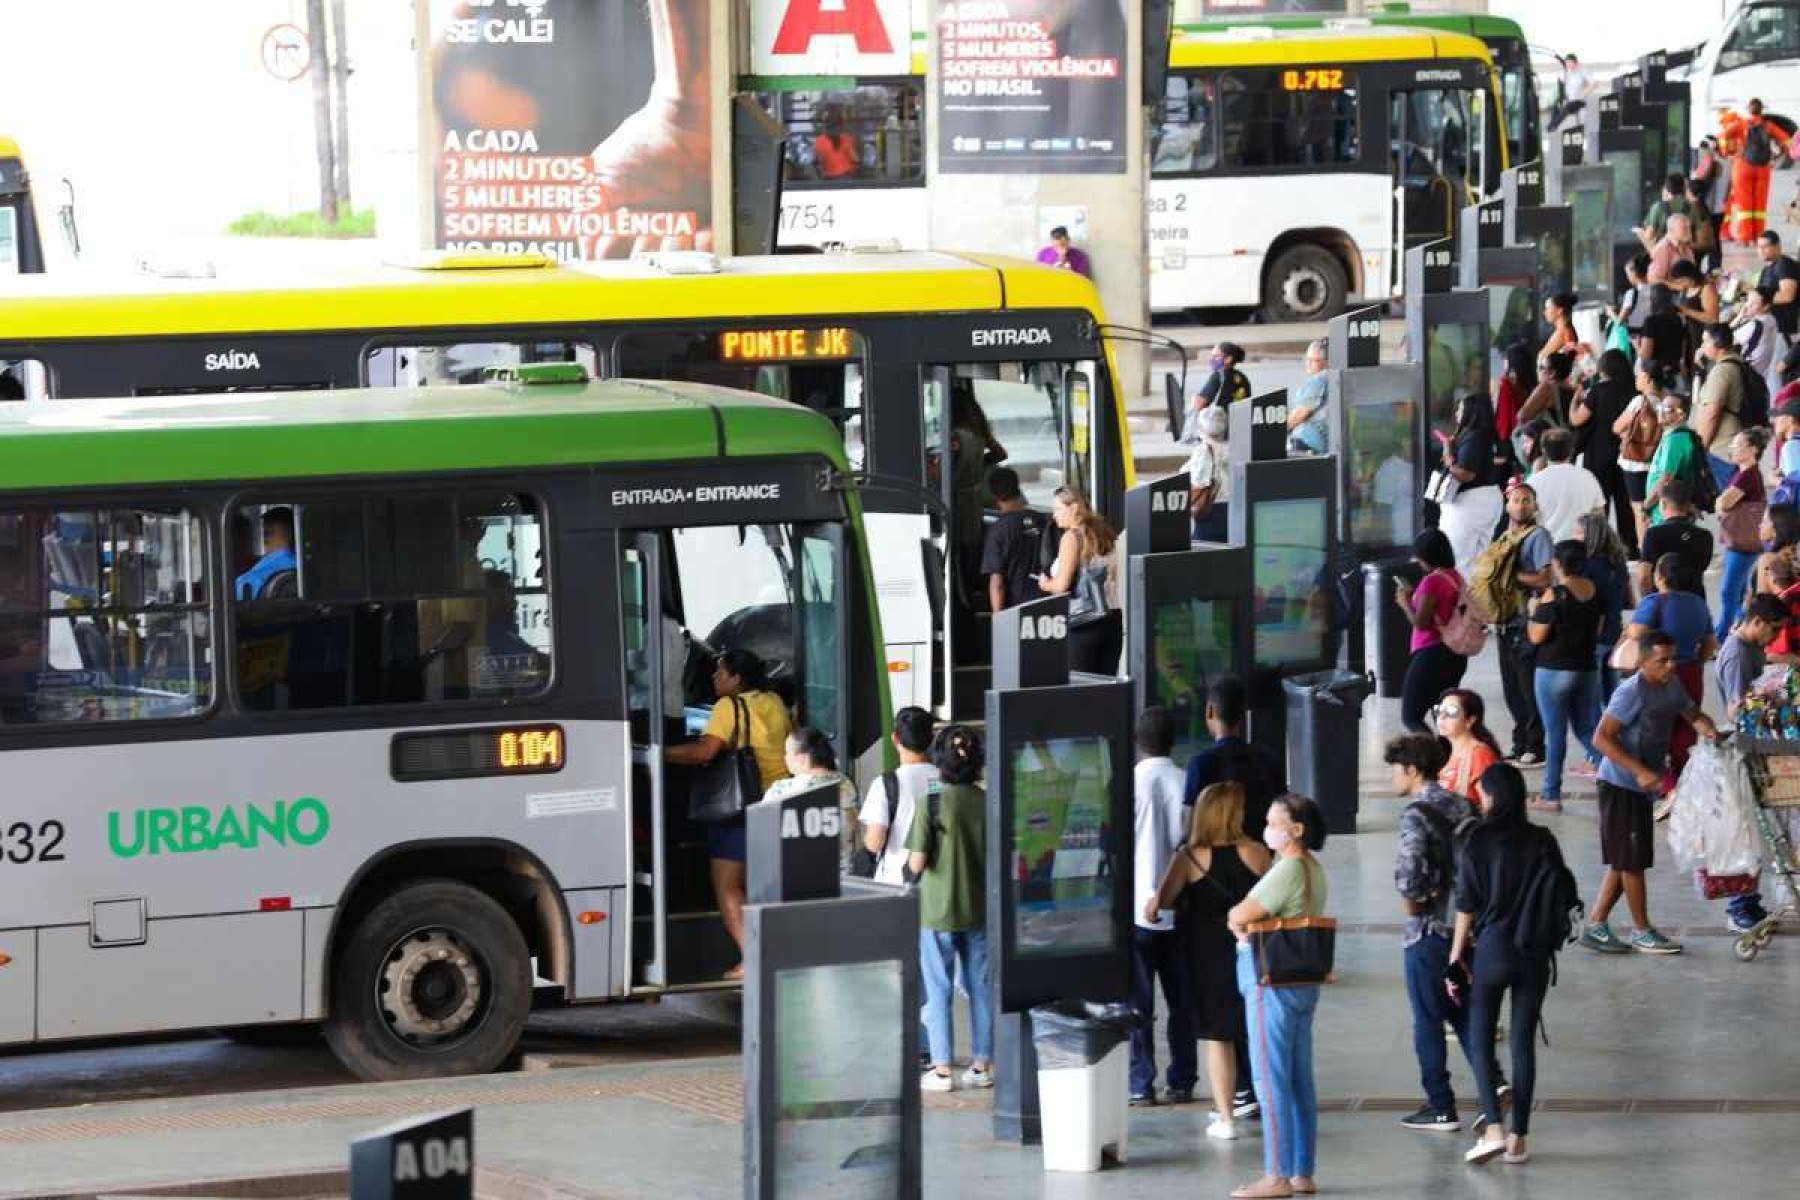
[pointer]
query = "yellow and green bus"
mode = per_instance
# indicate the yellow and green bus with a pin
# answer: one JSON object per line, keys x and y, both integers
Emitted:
{"x": 350, "y": 708}
{"x": 900, "y": 352}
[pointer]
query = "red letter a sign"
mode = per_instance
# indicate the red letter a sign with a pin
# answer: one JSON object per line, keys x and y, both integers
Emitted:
{"x": 808, "y": 19}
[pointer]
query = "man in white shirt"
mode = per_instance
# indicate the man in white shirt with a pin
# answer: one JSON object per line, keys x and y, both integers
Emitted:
{"x": 1564, "y": 491}
{"x": 1160, "y": 828}
{"x": 913, "y": 728}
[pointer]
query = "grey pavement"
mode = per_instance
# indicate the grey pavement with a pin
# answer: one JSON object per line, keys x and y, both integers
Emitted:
{"x": 1663, "y": 1077}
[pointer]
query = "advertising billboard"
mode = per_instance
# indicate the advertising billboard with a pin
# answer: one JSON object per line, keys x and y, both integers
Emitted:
{"x": 572, "y": 129}
{"x": 1032, "y": 86}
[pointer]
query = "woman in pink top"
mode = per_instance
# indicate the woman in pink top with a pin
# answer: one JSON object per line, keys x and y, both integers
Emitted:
{"x": 1435, "y": 667}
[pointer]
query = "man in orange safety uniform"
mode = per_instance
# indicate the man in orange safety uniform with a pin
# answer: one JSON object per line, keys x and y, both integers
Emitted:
{"x": 1753, "y": 142}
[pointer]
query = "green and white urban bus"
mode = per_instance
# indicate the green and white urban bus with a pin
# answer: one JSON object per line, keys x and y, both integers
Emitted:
{"x": 411, "y": 774}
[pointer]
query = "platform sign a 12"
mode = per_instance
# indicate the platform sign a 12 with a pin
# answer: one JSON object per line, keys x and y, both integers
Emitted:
{"x": 430, "y": 1158}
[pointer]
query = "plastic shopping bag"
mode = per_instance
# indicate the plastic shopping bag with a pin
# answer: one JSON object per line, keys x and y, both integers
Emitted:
{"x": 1729, "y": 825}
{"x": 1696, "y": 792}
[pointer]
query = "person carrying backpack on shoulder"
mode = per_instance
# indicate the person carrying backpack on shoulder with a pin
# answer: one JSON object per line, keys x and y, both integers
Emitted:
{"x": 1516, "y": 907}
{"x": 1508, "y": 573}
{"x": 1446, "y": 632}
{"x": 1434, "y": 826}
{"x": 1679, "y": 455}
{"x": 1732, "y": 398}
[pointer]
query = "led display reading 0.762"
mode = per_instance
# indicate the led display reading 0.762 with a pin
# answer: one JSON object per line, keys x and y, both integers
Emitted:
{"x": 1313, "y": 79}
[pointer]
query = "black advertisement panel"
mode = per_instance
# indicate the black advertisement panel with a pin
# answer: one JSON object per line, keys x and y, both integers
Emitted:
{"x": 572, "y": 129}
{"x": 1285, "y": 513}
{"x": 1185, "y": 633}
{"x": 1060, "y": 842}
{"x": 1032, "y": 86}
{"x": 832, "y": 1115}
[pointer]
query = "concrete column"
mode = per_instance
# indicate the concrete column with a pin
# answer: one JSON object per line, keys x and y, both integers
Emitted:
{"x": 1004, "y": 213}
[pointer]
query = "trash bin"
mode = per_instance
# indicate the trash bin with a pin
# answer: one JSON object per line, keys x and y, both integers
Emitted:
{"x": 1084, "y": 1081}
{"x": 1387, "y": 635}
{"x": 1324, "y": 716}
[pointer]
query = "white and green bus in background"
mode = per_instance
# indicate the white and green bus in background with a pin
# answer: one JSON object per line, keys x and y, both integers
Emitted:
{"x": 410, "y": 772}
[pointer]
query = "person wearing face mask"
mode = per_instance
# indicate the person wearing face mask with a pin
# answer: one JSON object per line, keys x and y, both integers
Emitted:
{"x": 1281, "y": 1019}
{"x": 1226, "y": 384}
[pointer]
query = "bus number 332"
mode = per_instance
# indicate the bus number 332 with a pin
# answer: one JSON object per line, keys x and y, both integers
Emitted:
{"x": 21, "y": 842}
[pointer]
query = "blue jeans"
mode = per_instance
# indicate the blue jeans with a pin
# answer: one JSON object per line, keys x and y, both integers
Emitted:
{"x": 1156, "y": 954}
{"x": 1281, "y": 1056}
{"x": 938, "y": 955}
{"x": 1722, "y": 470}
{"x": 1565, "y": 699}
{"x": 1739, "y": 565}
{"x": 1426, "y": 960}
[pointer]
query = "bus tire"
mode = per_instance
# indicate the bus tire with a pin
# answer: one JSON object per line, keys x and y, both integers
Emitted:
{"x": 1305, "y": 283}
{"x": 434, "y": 980}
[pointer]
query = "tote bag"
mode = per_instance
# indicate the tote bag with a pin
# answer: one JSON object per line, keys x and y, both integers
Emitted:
{"x": 1295, "y": 951}
{"x": 731, "y": 782}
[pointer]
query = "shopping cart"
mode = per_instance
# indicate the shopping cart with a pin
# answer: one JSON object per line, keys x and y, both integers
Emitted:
{"x": 1774, "y": 769}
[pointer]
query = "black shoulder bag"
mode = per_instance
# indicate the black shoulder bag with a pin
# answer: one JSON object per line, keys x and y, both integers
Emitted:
{"x": 864, "y": 861}
{"x": 731, "y": 782}
{"x": 1295, "y": 951}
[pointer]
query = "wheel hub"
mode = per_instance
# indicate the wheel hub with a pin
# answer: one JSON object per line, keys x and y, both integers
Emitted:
{"x": 1303, "y": 290}
{"x": 431, "y": 986}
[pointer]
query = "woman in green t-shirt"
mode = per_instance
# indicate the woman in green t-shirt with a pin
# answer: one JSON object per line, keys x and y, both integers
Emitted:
{"x": 1280, "y": 1020}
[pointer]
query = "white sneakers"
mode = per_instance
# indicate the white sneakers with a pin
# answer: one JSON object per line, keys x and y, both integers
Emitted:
{"x": 1222, "y": 1128}
{"x": 975, "y": 1077}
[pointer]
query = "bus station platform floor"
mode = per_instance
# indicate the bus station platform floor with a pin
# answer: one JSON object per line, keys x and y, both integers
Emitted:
{"x": 1664, "y": 1077}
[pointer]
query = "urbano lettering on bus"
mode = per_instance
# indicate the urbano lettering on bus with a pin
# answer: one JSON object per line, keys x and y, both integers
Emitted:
{"x": 192, "y": 829}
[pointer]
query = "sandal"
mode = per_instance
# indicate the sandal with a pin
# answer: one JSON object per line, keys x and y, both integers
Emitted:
{"x": 1515, "y": 1157}
{"x": 1540, "y": 804}
{"x": 1269, "y": 1187}
{"x": 1304, "y": 1185}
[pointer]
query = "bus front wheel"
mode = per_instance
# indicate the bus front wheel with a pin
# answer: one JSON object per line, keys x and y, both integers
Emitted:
{"x": 1305, "y": 283}
{"x": 434, "y": 980}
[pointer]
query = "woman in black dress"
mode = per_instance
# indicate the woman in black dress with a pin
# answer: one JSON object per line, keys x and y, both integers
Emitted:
{"x": 1216, "y": 868}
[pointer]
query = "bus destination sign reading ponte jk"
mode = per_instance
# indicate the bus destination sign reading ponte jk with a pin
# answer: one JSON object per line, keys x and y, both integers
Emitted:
{"x": 771, "y": 345}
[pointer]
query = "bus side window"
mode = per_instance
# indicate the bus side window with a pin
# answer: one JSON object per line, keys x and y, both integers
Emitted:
{"x": 23, "y": 379}
{"x": 427, "y": 365}
{"x": 1289, "y": 118}
{"x": 409, "y": 598}
{"x": 103, "y": 616}
{"x": 1184, "y": 136}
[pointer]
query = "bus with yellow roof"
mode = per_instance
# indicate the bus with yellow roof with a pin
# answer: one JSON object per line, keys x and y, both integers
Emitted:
{"x": 934, "y": 368}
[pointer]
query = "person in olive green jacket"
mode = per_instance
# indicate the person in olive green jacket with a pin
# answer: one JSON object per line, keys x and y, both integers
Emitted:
{"x": 948, "y": 845}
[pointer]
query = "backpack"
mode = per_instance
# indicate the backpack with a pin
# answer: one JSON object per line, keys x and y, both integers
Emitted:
{"x": 1753, "y": 409}
{"x": 1463, "y": 631}
{"x": 1550, "y": 910}
{"x": 863, "y": 861}
{"x": 1759, "y": 150}
{"x": 1700, "y": 477}
{"x": 1447, "y": 841}
{"x": 1493, "y": 589}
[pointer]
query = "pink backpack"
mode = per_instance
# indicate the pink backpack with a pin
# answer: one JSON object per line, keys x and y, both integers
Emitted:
{"x": 1464, "y": 632}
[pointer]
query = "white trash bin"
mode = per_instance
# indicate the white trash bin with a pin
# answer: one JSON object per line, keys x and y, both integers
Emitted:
{"x": 1084, "y": 1108}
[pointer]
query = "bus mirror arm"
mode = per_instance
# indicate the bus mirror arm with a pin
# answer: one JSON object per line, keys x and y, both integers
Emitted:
{"x": 1149, "y": 337}
{"x": 870, "y": 481}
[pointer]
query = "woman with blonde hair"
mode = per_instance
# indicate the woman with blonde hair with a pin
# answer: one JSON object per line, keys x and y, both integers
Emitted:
{"x": 1214, "y": 870}
{"x": 1087, "y": 567}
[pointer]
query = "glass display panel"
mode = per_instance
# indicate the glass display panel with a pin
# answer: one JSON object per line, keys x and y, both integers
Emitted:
{"x": 837, "y": 1080}
{"x": 1453, "y": 365}
{"x": 1288, "y": 550}
{"x": 1062, "y": 891}
{"x": 1191, "y": 645}
{"x": 1511, "y": 318}
{"x": 1384, "y": 480}
{"x": 1593, "y": 239}
{"x": 1628, "y": 181}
